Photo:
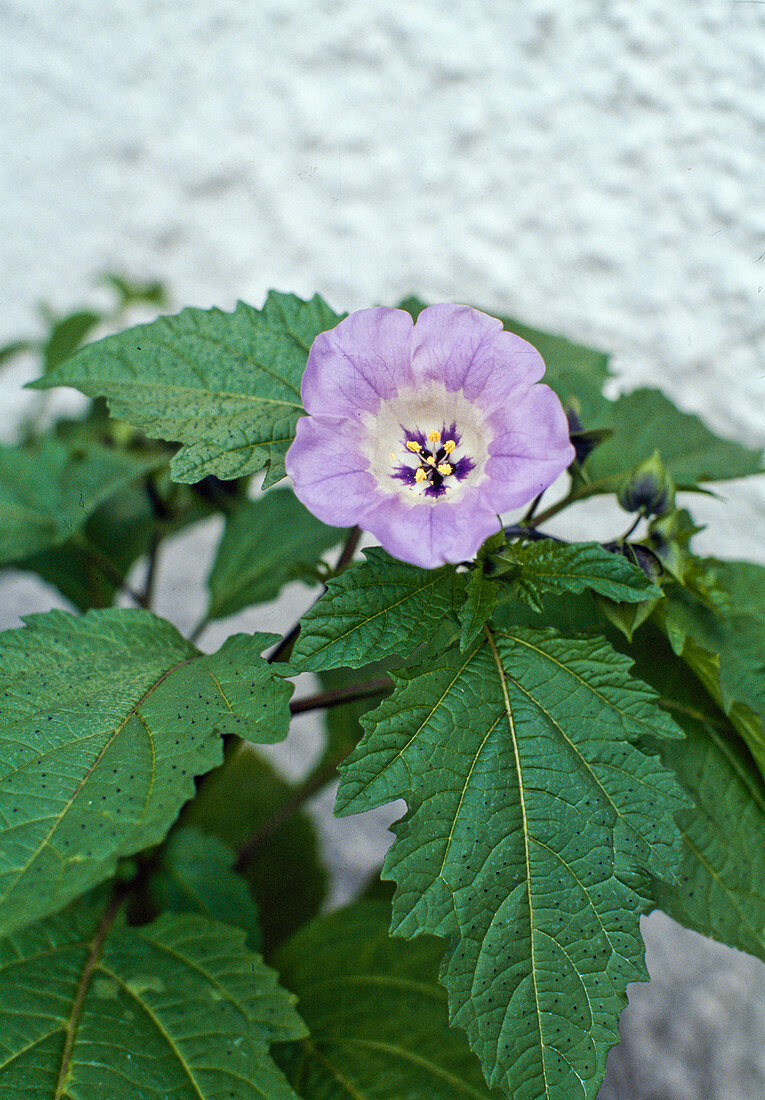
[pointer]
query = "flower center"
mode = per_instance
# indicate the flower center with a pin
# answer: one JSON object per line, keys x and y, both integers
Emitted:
{"x": 427, "y": 415}
{"x": 438, "y": 467}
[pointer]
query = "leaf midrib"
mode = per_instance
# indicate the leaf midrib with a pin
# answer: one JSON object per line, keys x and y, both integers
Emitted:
{"x": 586, "y": 764}
{"x": 247, "y": 360}
{"x": 96, "y": 385}
{"x": 524, "y": 816}
{"x": 96, "y": 947}
{"x": 175, "y": 352}
{"x": 587, "y": 582}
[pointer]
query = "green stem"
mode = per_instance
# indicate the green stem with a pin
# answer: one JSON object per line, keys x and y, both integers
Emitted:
{"x": 198, "y": 629}
{"x": 527, "y": 518}
{"x": 335, "y": 698}
{"x": 627, "y": 533}
{"x": 554, "y": 509}
{"x": 691, "y": 712}
{"x": 581, "y": 493}
{"x": 323, "y": 773}
{"x": 348, "y": 550}
{"x": 147, "y": 594}
{"x": 284, "y": 647}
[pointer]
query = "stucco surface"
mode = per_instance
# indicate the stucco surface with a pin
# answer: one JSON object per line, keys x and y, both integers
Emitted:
{"x": 592, "y": 167}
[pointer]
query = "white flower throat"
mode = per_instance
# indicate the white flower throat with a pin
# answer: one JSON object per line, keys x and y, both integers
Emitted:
{"x": 411, "y": 457}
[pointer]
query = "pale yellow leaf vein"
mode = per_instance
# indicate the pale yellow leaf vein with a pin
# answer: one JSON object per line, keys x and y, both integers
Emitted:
{"x": 524, "y": 815}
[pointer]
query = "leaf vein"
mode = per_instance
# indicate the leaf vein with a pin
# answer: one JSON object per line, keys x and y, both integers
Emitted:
{"x": 522, "y": 799}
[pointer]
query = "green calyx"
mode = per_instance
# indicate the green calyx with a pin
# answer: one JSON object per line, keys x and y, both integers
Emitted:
{"x": 648, "y": 488}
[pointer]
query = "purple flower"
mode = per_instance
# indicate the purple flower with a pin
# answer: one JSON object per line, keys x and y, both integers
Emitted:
{"x": 424, "y": 433}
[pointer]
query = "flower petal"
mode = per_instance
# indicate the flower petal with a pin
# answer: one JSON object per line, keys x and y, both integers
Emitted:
{"x": 376, "y": 383}
{"x": 468, "y": 350}
{"x": 329, "y": 473}
{"x": 358, "y": 363}
{"x": 430, "y": 535}
{"x": 529, "y": 449}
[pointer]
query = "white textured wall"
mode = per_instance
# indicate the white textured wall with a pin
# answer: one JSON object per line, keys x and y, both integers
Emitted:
{"x": 592, "y": 167}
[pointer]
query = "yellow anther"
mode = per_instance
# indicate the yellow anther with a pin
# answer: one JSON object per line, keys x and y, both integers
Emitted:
{"x": 419, "y": 474}
{"x": 444, "y": 468}
{"x": 434, "y": 437}
{"x": 392, "y": 457}
{"x": 413, "y": 445}
{"x": 430, "y": 460}
{"x": 449, "y": 446}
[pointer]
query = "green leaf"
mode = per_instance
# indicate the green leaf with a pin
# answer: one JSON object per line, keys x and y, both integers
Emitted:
{"x": 10, "y": 351}
{"x": 644, "y": 421}
{"x": 726, "y": 650}
{"x": 627, "y": 617}
{"x": 119, "y": 531}
{"x": 413, "y": 305}
{"x": 104, "y": 722}
{"x": 374, "y": 609}
{"x": 573, "y": 371}
{"x": 129, "y": 292}
{"x": 226, "y": 385}
{"x": 532, "y": 822}
{"x": 66, "y": 336}
{"x": 576, "y": 373}
{"x": 177, "y": 1008}
{"x": 285, "y": 876}
{"x": 376, "y": 1014}
{"x": 264, "y": 544}
{"x": 535, "y": 568}
{"x": 195, "y": 876}
{"x": 721, "y": 889}
{"x": 47, "y": 494}
{"x": 481, "y": 597}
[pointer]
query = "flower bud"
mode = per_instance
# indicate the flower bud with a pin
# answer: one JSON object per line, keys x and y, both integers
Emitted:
{"x": 573, "y": 410}
{"x": 645, "y": 558}
{"x": 648, "y": 488}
